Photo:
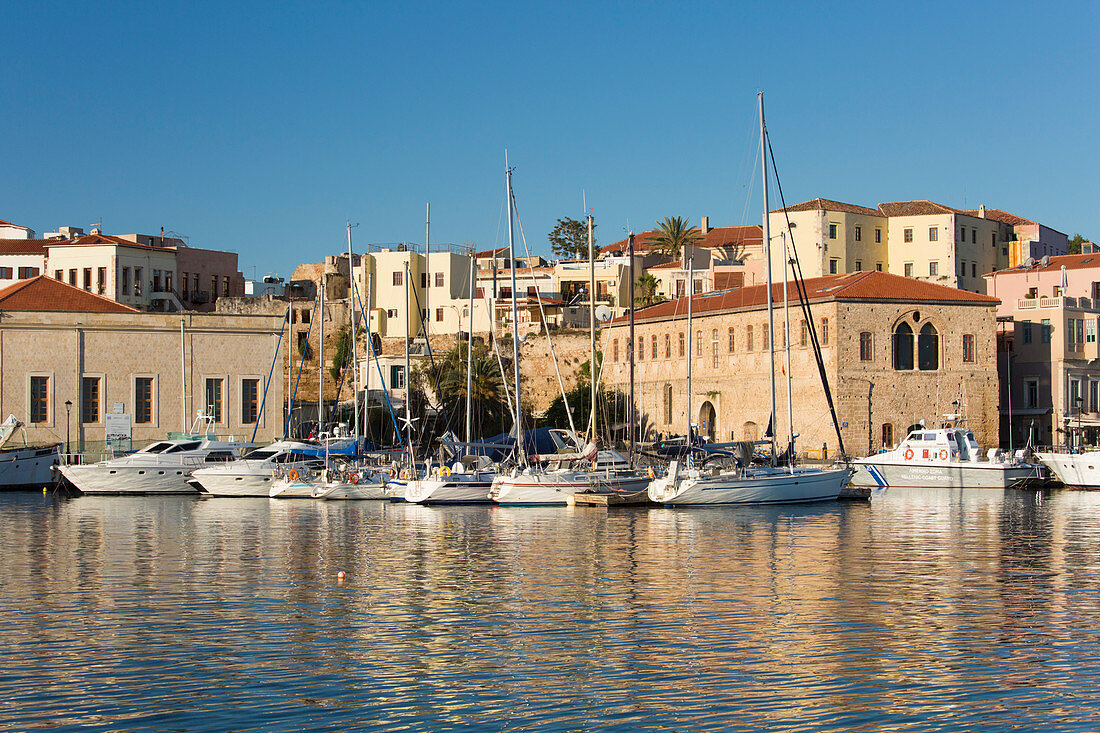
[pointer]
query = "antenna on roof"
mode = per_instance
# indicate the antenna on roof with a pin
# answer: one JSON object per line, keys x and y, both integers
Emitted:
{"x": 1045, "y": 261}
{"x": 1029, "y": 262}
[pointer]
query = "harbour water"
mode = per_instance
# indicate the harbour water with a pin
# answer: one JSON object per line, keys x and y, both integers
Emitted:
{"x": 923, "y": 610}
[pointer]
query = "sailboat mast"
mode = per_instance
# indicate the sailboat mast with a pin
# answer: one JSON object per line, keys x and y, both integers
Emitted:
{"x": 427, "y": 269}
{"x": 408, "y": 407}
{"x": 289, "y": 367}
{"x": 354, "y": 339}
{"x": 366, "y": 327}
{"x": 787, "y": 343}
{"x": 520, "y": 448}
{"x": 630, "y": 408}
{"x": 768, "y": 261}
{"x": 691, "y": 292}
{"x": 470, "y": 350}
{"x": 321, "y": 364}
{"x": 592, "y": 327}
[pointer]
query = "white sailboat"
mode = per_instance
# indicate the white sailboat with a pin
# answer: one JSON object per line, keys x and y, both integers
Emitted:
{"x": 531, "y": 485}
{"x": 28, "y": 467}
{"x": 771, "y": 484}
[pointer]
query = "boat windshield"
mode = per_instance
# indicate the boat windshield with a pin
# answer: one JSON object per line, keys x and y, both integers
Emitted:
{"x": 960, "y": 441}
{"x": 181, "y": 447}
{"x": 155, "y": 448}
{"x": 261, "y": 454}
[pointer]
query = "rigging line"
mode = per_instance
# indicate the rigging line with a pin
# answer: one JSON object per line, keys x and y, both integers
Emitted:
{"x": 542, "y": 315}
{"x": 270, "y": 371}
{"x": 431, "y": 355}
{"x": 492, "y": 340}
{"x": 800, "y": 284}
{"x": 301, "y": 366}
{"x": 378, "y": 368}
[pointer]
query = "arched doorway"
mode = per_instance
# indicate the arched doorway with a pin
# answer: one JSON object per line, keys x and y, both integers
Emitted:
{"x": 707, "y": 419}
{"x": 750, "y": 431}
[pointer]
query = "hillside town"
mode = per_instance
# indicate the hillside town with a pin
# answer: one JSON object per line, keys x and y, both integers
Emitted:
{"x": 921, "y": 310}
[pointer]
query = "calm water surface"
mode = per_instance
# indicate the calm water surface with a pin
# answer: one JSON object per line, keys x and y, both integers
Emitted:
{"x": 931, "y": 610}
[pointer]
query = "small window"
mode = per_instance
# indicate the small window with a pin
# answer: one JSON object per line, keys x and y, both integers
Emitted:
{"x": 391, "y": 313}
{"x": 681, "y": 344}
{"x": 859, "y": 265}
{"x": 908, "y": 235}
{"x": 423, "y": 279}
{"x": 641, "y": 348}
{"x": 933, "y": 269}
{"x": 26, "y": 272}
{"x": 1025, "y": 331}
{"x": 439, "y": 279}
{"x": 40, "y": 399}
{"x": 398, "y": 278}
{"x": 824, "y": 331}
{"x": 668, "y": 346}
{"x": 397, "y": 376}
{"x": 928, "y": 348}
{"x": 101, "y": 281}
{"x": 933, "y": 234}
{"x": 968, "y": 347}
{"x": 214, "y": 399}
{"x": 5, "y": 273}
{"x": 438, "y": 315}
{"x": 698, "y": 343}
{"x": 834, "y": 266}
{"x": 878, "y": 266}
{"x": 973, "y": 269}
{"x": 748, "y": 338}
{"x": 89, "y": 399}
{"x": 764, "y": 336}
{"x": 1045, "y": 330}
{"x": 832, "y": 231}
{"x": 731, "y": 339}
{"x": 887, "y": 435}
{"x": 1031, "y": 393}
{"x": 614, "y": 349}
{"x": 866, "y": 352}
{"x": 859, "y": 234}
{"x": 653, "y": 347}
{"x": 250, "y": 400}
{"x": 973, "y": 236}
{"x": 143, "y": 400}
{"x": 804, "y": 334}
{"x": 225, "y": 286}
{"x": 1090, "y": 331}
{"x": 878, "y": 235}
{"x": 909, "y": 269}
{"x": 962, "y": 234}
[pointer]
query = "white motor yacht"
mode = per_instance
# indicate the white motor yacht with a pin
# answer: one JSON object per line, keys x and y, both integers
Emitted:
{"x": 944, "y": 458}
{"x": 252, "y": 474}
{"x": 1074, "y": 470}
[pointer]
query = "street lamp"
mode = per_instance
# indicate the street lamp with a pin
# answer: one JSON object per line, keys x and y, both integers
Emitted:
{"x": 68, "y": 408}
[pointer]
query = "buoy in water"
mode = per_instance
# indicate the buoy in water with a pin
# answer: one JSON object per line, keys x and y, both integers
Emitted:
{"x": 340, "y": 575}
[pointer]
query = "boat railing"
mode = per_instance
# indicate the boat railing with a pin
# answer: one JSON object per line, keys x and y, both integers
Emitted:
{"x": 88, "y": 457}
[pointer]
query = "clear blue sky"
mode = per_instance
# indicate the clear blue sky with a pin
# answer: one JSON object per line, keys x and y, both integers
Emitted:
{"x": 260, "y": 129}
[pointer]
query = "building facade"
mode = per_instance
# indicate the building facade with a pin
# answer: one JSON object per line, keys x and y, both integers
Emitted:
{"x": 896, "y": 351}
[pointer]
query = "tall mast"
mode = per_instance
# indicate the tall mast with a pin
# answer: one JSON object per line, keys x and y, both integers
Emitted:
{"x": 321, "y": 364}
{"x": 691, "y": 293}
{"x": 408, "y": 407}
{"x": 768, "y": 260}
{"x": 289, "y": 367}
{"x": 470, "y": 350}
{"x": 520, "y": 448}
{"x": 366, "y": 326}
{"x": 354, "y": 339}
{"x": 631, "y": 408}
{"x": 427, "y": 268}
{"x": 592, "y": 326}
{"x": 787, "y": 343}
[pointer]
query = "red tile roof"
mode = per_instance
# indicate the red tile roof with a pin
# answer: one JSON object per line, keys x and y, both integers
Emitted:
{"x": 46, "y": 294}
{"x": 92, "y": 240}
{"x": 25, "y": 246}
{"x": 743, "y": 236}
{"x": 489, "y": 252}
{"x": 916, "y": 208}
{"x": 1001, "y": 216}
{"x": 868, "y": 285}
{"x": 820, "y": 204}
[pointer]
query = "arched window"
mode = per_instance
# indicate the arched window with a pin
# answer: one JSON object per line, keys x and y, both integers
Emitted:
{"x": 928, "y": 348}
{"x": 887, "y": 435}
{"x": 903, "y": 347}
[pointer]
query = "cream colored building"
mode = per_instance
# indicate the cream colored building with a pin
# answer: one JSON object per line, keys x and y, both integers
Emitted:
{"x": 896, "y": 351}
{"x": 831, "y": 237}
{"x": 127, "y": 272}
{"x": 60, "y": 344}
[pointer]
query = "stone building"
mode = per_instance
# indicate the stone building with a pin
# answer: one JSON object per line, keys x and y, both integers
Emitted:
{"x": 70, "y": 360}
{"x": 896, "y": 351}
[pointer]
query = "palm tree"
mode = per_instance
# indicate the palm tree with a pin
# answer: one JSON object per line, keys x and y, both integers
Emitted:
{"x": 673, "y": 234}
{"x": 645, "y": 290}
{"x": 490, "y": 413}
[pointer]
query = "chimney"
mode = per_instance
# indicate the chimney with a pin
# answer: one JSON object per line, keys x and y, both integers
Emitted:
{"x": 704, "y": 227}
{"x": 981, "y": 211}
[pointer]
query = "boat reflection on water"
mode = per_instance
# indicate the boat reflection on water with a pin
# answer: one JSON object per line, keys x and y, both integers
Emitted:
{"x": 961, "y": 610}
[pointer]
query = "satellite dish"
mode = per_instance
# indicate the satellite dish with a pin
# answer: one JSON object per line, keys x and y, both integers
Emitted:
{"x": 603, "y": 313}
{"x": 1029, "y": 262}
{"x": 1045, "y": 261}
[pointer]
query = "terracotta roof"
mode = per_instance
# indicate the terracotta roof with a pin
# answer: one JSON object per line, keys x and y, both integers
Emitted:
{"x": 490, "y": 252}
{"x": 91, "y": 240}
{"x": 820, "y": 204}
{"x": 916, "y": 208}
{"x": 46, "y": 294}
{"x": 674, "y": 265}
{"x": 9, "y": 224}
{"x": 1001, "y": 216}
{"x": 744, "y": 236}
{"x": 867, "y": 285}
{"x": 25, "y": 246}
{"x": 1071, "y": 262}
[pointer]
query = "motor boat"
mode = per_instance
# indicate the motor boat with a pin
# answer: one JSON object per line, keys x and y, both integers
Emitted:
{"x": 252, "y": 474}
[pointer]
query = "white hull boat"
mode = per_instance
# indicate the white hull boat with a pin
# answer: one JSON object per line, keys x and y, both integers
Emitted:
{"x": 800, "y": 485}
{"x": 943, "y": 458}
{"x": 455, "y": 488}
{"x": 1075, "y": 470}
{"x": 253, "y": 474}
{"x": 555, "y": 487}
{"x": 27, "y": 468}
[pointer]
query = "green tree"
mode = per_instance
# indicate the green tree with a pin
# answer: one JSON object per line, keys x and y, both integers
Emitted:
{"x": 489, "y": 408}
{"x": 569, "y": 240}
{"x": 1075, "y": 243}
{"x": 343, "y": 353}
{"x": 645, "y": 290}
{"x": 673, "y": 234}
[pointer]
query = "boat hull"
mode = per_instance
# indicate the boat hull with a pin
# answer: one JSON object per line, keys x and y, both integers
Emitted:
{"x": 225, "y": 483}
{"x": 453, "y": 490}
{"x": 27, "y": 468}
{"x": 1074, "y": 470}
{"x": 351, "y": 492}
{"x": 887, "y": 474}
{"x": 103, "y": 478}
{"x": 804, "y": 486}
{"x": 555, "y": 489}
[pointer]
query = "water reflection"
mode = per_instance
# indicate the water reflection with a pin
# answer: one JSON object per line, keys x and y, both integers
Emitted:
{"x": 925, "y": 610}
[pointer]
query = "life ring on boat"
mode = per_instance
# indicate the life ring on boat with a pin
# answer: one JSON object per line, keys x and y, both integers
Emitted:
{"x": 293, "y": 475}
{"x": 943, "y": 454}
{"x": 354, "y": 478}
{"x": 392, "y": 472}
{"x": 651, "y": 473}
{"x": 406, "y": 474}
{"x": 444, "y": 472}
{"x": 908, "y": 454}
